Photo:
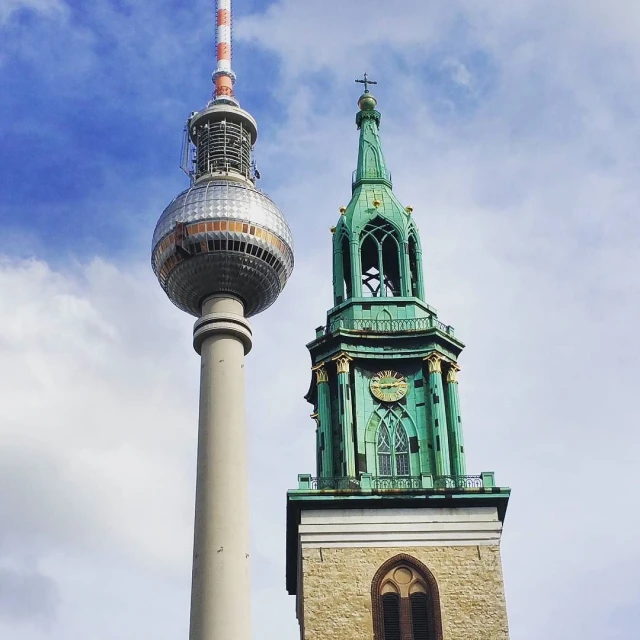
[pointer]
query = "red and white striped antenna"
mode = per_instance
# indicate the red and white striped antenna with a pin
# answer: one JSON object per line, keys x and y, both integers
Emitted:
{"x": 223, "y": 76}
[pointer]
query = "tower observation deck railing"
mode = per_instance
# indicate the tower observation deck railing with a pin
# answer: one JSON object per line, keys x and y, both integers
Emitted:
{"x": 368, "y": 483}
{"x": 387, "y": 326}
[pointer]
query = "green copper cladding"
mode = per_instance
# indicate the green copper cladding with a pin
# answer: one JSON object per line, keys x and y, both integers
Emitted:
{"x": 371, "y": 164}
{"x": 454, "y": 423}
{"x": 323, "y": 416}
{"x": 376, "y": 242}
{"x": 345, "y": 417}
{"x": 383, "y": 363}
{"x": 438, "y": 415}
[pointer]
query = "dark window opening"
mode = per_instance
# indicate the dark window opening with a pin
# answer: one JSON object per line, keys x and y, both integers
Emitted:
{"x": 370, "y": 268}
{"x": 420, "y": 624}
{"x": 346, "y": 267}
{"x": 391, "y": 616}
{"x": 413, "y": 266}
{"x": 380, "y": 259}
{"x": 391, "y": 262}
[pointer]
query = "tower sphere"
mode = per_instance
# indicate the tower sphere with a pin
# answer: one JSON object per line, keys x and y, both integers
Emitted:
{"x": 367, "y": 102}
{"x": 222, "y": 236}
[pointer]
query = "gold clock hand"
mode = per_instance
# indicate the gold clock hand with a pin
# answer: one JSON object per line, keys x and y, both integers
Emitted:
{"x": 398, "y": 383}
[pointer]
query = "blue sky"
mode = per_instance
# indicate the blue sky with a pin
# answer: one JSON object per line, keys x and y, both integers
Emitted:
{"x": 512, "y": 128}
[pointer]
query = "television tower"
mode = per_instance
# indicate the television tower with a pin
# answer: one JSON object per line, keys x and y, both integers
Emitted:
{"x": 222, "y": 252}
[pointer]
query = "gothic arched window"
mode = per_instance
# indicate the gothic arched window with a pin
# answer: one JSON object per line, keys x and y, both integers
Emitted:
{"x": 414, "y": 269}
{"x": 401, "y": 450}
{"x": 406, "y": 601}
{"x": 393, "y": 449}
{"x": 380, "y": 255}
{"x": 346, "y": 266}
{"x": 384, "y": 451}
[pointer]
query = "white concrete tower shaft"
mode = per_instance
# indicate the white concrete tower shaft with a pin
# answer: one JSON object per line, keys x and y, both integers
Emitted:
{"x": 220, "y": 593}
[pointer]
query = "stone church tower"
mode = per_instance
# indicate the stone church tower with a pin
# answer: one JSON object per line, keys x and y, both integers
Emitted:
{"x": 391, "y": 540}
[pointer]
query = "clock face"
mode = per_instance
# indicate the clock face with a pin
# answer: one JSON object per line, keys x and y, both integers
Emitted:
{"x": 389, "y": 386}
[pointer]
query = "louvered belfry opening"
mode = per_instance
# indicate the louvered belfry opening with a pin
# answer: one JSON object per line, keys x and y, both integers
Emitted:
{"x": 406, "y": 601}
{"x": 391, "y": 616}
{"x": 420, "y": 623}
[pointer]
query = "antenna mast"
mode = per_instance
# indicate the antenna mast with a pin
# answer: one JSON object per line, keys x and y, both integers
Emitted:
{"x": 223, "y": 76}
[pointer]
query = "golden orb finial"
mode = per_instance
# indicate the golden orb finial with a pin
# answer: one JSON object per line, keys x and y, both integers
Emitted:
{"x": 409, "y": 209}
{"x": 367, "y": 102}
{"x": 343, "y": 210}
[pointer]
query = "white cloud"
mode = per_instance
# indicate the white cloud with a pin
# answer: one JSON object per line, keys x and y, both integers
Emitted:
{"x": 86, "y": 424}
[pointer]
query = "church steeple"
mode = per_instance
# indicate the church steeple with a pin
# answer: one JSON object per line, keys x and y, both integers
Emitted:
{"x": 376, "y": 244}
{"x": 381, "y": 324}
{"x": 391, "y": 511}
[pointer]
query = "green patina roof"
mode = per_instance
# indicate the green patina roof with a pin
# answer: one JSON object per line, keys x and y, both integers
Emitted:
{"x": 372, "y": 191}
{"x": 380, "y": 320}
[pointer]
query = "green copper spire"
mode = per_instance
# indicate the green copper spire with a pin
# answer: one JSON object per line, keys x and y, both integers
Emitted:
{"x": 371, "y": 165}
{"x": 385, "y": 392}
{"x": 376, "y": 244}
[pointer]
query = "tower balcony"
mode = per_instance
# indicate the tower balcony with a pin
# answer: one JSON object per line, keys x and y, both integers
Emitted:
{"x": 402, "y": 325}
{"x": 367, "y": 483}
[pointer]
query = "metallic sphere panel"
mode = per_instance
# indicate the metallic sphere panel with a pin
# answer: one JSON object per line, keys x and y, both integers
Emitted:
{"x": 223, "y": 199}
{"x": 222, "y": 236}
